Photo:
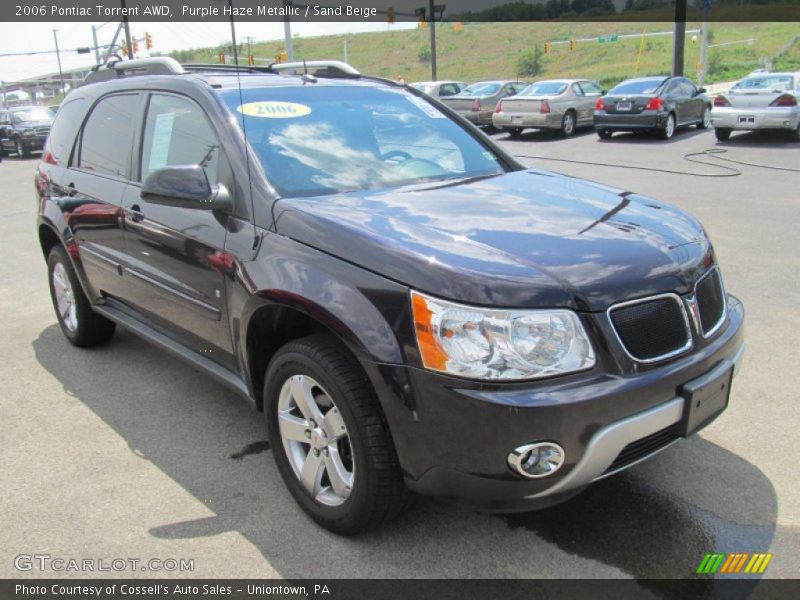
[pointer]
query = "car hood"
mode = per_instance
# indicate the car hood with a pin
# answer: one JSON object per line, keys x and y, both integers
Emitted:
{"x": 523, "y": 239}
{"x": 34, "y": 124}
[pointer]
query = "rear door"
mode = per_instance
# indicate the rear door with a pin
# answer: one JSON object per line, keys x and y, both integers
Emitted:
{"x": 92, "y": 187}
{"x": 591, "y": 92}
{"x": 694, "y": 102}
{"x": 176, "y": 261}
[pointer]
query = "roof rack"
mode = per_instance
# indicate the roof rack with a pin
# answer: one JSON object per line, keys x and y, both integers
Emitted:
{"x": 318, "y": 68}
{"x": 160, "y": 65}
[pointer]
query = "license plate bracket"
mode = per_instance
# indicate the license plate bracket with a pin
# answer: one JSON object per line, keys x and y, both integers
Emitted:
{"x": 706, "y": 397}
{"x": 624, "y": 106}
{"x": 516, "y": 120}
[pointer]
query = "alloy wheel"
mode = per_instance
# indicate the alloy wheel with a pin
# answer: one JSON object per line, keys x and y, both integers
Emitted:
{"x": 65, "y": 298}
{"x": 669, "y": 127}
{"x": 316, "y": 440}
{"x": 568, "y": 126}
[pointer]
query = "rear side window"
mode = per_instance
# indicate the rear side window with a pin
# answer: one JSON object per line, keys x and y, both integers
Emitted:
{"x": 177, "y": 132}
{"x": 106, "y": 141}
{"x": 62, "y": 135}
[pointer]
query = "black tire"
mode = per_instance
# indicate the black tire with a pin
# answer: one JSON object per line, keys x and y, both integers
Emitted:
{"x": 795, "y": 135}
{"x": 377, "y": 493}
{"x": 723, "y": 135}
{"x": 89, "y": 328}
{"x": 668, "y": 130}
{"x": 705, "y": 120}
{"x": 569, "y": 123}
{"x": 514, "y": 131}
{"x": 21, "y": 152}
{"x": 604, "y": 134}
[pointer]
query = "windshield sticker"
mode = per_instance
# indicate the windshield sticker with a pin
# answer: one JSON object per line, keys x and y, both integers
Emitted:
{"x": 428, "y": 109}
{"x": 274, "y": 110}
{"x": 162, "y": 138}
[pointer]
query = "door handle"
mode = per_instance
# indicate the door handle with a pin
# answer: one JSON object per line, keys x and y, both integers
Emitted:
{"x": 134, "y": 213}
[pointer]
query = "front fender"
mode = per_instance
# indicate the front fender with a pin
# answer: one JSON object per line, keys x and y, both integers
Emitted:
{"x": 369, "y": 313}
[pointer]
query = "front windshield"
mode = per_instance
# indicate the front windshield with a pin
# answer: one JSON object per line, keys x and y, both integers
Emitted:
{"x": 765, "y": 82}
{"x": 481, "y": 89}
{"x": 316, "y": 140}
{"x": 628, "y": 88}
{"x": 545, "y": 88}
{"x": 32, "y": 115}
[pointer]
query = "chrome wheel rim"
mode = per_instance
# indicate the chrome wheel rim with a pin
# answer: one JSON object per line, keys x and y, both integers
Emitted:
{"x": 706, "y": 117}
{"x": 65, "y": 298}
{"x": 669, "y": 128}
{"x": 316, "y": 440}
{"x": 19, "y": 150}
{"x": 569, "y": 124}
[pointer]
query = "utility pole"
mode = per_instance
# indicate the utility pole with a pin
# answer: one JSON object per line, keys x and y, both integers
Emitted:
{"x": 249, "y": 39}
{"x": 96, "y": 49}
{"x": 58, "y": 56}
{"x": 679, "y": 42}
{"x": 433, "y": 39}
{"x": 704, "y": 50}
{"x": 127, "y": 28}
{"x": 287, "y": 31}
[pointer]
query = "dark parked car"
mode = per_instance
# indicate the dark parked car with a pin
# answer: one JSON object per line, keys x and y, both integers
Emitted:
{"x": 409, "y": 307}
{"x": 24, "y": 129}
{"x": 658, "y": 104}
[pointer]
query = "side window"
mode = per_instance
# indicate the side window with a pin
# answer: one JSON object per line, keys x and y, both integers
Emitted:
{"x": 590, "y": 88}
{"x": 673, "y": 87}
{"x": 577, "y": 89}
{"x": 177, "y": 132}
{"x": 688, "y": 88}
{"x": 65, "y": 127}
{"x": 448, "y": 89}
{"x": 106, "y": 138}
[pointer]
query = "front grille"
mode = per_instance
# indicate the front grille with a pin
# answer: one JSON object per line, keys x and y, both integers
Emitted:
{"x": 41, "y": 131}
{"x": 710, "y": 301}
{"x": 652, "y": 329}
{"x": 643, "y": 447}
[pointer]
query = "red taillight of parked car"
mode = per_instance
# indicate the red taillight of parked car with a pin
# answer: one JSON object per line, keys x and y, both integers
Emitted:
{"x": 721, "y": 101}
{"x": 654, "y": 104}
{"x": 544, "y": 107}
{"x": 784, "y": 100}
{"x": 599, "y": 105}
{"x": 476, "y": 106}
{"x": 499, "y": 107}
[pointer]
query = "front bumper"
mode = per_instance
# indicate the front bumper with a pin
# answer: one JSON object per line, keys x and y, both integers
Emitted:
{"x": 533, "y": 120}
{"x": 648, "y": 119}
{"x": 761, "y": 118}
{"x": 33, "y": 144}
{"x": 456, "y": 442}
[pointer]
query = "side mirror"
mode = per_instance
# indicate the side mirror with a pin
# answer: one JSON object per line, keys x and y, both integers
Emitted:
{"x": 701, "y": 91}
{"x": 185, "y": 187}
{"x": 603, "y": 92}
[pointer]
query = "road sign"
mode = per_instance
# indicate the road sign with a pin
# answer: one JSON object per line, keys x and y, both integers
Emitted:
{"x": 605, "y": 39}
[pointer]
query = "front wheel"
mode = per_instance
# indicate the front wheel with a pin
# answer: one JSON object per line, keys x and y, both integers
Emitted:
{"x": 21, "y": 152}
{"x": 723, "y": 135}
{"x": 331, "y": 445}
{"x": 80, "y": 324}
{"x": 705, "y": 118}
{"x": 668, "y": 130}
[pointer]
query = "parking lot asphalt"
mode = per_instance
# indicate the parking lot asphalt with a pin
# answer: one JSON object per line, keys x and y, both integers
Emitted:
{"x": 123, "y": 451}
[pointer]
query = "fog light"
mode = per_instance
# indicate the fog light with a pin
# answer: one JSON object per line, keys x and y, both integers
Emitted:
{"x": 536, "y": 460}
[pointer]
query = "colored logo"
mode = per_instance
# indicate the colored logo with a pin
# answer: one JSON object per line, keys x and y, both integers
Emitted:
{"x": 734, "y": 562}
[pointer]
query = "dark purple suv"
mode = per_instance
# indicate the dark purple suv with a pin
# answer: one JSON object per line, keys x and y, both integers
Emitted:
{"x": 412, "y": 309}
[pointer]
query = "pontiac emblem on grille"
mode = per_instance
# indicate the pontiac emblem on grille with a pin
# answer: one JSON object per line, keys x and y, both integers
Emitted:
{"x": 694, "y": 310}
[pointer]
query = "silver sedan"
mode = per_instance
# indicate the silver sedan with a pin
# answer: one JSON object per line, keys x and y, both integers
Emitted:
{"x": 439, "y": 89}
{"x": 562, "y": 104}
{"x": 759, "y": 101}
{"x": 477, "y": 102}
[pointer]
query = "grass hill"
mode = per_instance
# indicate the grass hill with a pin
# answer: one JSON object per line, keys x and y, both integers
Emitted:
{"x": 494, "y": 50}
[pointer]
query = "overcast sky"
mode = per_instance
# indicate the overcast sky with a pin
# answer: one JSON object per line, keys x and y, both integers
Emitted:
{"x": 28, "y": 37}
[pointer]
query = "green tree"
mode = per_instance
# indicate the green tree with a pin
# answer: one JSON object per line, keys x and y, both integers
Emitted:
{"x": 529, "y": 64}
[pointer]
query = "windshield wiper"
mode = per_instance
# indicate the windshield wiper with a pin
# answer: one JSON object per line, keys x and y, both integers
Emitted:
{"x": 451, "y": 181}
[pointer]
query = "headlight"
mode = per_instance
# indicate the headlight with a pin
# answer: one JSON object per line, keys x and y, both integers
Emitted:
{"x": 483, "y": 343}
